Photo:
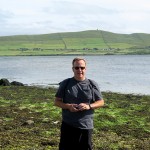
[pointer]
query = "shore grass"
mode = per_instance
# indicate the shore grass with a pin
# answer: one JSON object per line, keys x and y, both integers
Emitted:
{"x": 30, "y": 121}
{"x": 54, "y": 52}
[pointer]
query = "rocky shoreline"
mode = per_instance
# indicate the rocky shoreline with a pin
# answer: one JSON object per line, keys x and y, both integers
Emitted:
{"x": 6, "y": 82}
{"x": 27, "y": 113}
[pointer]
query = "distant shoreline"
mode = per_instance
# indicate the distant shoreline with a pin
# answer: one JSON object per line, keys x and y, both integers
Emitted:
{"x": 71, "y": 55}
{"x": 55, "y": 86}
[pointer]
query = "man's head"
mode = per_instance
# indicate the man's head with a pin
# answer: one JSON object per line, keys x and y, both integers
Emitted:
{"x": 79, "y": 68}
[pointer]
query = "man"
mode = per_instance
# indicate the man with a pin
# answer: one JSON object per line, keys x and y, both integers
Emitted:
{"x": 78, "y": 97}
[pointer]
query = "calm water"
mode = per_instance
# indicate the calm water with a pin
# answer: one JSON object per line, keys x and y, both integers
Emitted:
{"x": 123, "y": 73}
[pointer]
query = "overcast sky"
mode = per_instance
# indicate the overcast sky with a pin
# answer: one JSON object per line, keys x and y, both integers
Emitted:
{"x": 18, "y": 17}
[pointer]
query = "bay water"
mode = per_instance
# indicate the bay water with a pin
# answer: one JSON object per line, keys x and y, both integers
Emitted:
{"x": 115, "y": 73}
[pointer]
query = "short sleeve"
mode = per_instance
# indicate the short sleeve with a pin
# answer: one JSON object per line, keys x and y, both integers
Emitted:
{"x": 97, "y": 95}
{"x": 61, "y": 89}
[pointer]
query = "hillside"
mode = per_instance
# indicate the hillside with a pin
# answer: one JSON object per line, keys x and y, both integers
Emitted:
{"x": 84, "y": 42}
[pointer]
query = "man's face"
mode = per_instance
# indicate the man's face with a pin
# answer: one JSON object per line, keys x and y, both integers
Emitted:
{"x": 79, "y": 69}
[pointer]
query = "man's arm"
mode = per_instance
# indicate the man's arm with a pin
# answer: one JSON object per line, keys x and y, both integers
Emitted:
{"x": 97, "y": 104}
{"x": 87, "y": 106}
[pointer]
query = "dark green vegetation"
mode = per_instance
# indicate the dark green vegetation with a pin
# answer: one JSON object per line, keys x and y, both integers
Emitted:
{"x": 72, "y": 43}
{"x": 29, "y": 121}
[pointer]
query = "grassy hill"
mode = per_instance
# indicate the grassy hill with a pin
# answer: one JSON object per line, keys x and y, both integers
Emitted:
{"x": 84, "y": 42}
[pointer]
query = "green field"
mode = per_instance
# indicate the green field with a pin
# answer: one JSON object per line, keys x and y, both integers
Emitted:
{"x": 30, "y": 121}
{"x": 72, "y": 43}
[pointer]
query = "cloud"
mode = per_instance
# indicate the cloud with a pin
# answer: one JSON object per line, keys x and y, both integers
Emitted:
{"x": 4, "y": 15}
{"x": 49, "y": 16}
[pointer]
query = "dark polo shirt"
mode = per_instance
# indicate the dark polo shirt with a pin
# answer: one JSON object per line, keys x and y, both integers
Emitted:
{"x": 73, "y": 91}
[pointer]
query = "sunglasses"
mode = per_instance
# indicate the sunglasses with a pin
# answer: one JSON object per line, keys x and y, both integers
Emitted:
{"x": 77, "y": 68}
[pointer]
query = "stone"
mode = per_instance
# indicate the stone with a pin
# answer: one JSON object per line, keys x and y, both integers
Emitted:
{"x": 15, "y": 83}
{"x": 4, "y": 82}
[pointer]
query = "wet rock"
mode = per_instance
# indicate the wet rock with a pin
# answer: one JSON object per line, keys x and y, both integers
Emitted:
{"x": 1, "y": 121}
{"x": 4, "y": 82}
{"x": 55, "y": 122}
{"x": 15, "y": 83}
{"x": 51, "y": 143}
{"x": 28, "y": 122}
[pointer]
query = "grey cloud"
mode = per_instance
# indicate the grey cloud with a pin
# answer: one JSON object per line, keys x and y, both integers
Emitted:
{"x": 4, "y": 15}
{"x": 74, "y": 8}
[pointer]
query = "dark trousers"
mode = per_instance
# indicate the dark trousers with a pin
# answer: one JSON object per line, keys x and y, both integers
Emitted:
{"x": 74, "y": 138}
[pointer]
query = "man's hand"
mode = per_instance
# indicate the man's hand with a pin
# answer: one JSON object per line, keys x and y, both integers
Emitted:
{"x": 73, "y": 107}
{"x": 83, "y": 106}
